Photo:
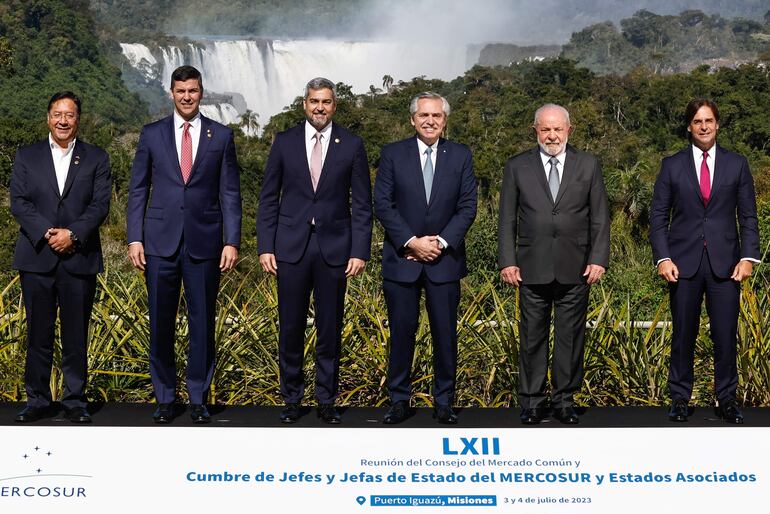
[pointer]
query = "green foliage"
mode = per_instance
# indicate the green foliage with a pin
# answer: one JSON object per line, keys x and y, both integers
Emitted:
{"x": 49, "y": 46}
{"x": 666, "y": 43}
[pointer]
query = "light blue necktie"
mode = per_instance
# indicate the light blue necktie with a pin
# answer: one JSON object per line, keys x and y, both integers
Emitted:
{"x": 553, "y": 178}
{"x": 427, "y": 173}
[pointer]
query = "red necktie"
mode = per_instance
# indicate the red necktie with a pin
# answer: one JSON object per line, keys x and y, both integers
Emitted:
{"x": 186, "y": 163}
{"x": 705, "y": 179}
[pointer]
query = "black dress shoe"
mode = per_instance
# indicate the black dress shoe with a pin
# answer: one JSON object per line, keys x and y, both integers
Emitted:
{"x": 729, "y": 412}
{"x": 328, "y": 414}
{"x": 77, "y": 415}
{"x": 445, "y": 414}
{"x": 566, "y": 415}
{"x": 164, "y": 414}
{"x": 397, "y": 413}
{"x": 199, "y": 414}
{"x": 679, "y": 411}
{"x": 29, "y": 414}
{"x": 531, "y": 416}
{"x": 290, "y": 413}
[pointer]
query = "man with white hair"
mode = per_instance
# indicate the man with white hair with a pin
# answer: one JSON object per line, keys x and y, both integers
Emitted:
{"x": 553, "y": 243}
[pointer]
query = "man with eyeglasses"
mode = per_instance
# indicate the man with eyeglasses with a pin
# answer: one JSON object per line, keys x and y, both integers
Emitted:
{"x": 60, "y": 195}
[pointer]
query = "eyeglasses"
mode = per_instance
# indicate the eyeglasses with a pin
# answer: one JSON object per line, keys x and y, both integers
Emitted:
{"x": 69, "y": 116}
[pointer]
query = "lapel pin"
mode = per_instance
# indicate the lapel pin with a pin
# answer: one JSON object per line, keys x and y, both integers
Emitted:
{"x": 336, "y": 140}
{"x": 77, "y": 159}
{"x": 208, "y": 133}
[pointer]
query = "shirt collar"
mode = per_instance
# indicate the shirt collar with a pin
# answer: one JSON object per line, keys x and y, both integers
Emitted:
{"x": 53, "y": 144}
{"x": 422, "y": 146}
{"x": 310, "y": 131}
{"x": 560, "y": 157}
{"x": 179, "y": 121}
{"x": 698, "y": 153}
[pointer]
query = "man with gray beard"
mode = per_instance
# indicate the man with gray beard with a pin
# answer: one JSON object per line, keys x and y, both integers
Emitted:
{"x": 554, "y": 243}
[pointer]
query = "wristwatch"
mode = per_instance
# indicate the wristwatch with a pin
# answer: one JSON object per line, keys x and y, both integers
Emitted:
{"x": 73, "y": 237}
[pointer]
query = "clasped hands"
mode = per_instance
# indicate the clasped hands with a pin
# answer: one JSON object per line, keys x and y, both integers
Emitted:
{"x": 423, "y": 249}
{"x": 59, "y": 240}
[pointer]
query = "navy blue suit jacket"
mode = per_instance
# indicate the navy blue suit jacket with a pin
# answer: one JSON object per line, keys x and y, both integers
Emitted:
{"x": 82, "y": 207}
{"x": 400, "y": 205}
{"x": 206, "y": 210}
{"x": 341, "y": 204}
{"x": 679, "y": 221}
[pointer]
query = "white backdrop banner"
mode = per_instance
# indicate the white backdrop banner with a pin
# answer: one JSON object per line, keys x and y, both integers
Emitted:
{"x": 339, "y": 470}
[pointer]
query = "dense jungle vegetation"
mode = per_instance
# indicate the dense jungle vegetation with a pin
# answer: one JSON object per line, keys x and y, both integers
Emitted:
{"x": 630, "y": 120}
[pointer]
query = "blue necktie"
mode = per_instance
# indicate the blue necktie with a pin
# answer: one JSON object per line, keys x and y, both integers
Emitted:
{"x": 427, "y": 173}
{"x": 553, "y": 178}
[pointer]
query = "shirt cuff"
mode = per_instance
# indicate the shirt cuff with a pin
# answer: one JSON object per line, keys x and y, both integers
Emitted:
{"x": 661, "y": 260}
{"x": 406, "y": 245}
{"x": 751, "y": 259}
{"x": 444, "y": 244}
{"x": 134, "y": 243}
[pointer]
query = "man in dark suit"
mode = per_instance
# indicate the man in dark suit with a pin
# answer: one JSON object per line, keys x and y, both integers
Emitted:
{"x": 184, "y": 226}
{"x": 699, "y": 194}
{"x": 425, "y": 198}
{"x": 554, "y": 242}
{"x": 60, "y": 195}
{"x": 314, "y": 231}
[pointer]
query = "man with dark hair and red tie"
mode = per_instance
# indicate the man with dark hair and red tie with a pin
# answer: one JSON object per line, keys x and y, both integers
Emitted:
{"x": 184, "y": 226}
{"x": 699, "y": 249}
{"x": 314, "y": 231}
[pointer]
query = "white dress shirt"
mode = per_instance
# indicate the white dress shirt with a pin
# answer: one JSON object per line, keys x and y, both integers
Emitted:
{"x": 310, "y": 132}
{"x": 547, "y": 165}
{"x": 61, "y": 160}
{"x": 195, "y": 134}
{"x": 421, "y": 146}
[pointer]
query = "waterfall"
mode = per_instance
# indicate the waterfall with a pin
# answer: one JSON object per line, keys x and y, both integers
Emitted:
{"x": 269, "y": 74}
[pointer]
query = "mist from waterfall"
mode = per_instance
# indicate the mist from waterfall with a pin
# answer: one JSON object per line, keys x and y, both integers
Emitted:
{"x": 265, "y": 76}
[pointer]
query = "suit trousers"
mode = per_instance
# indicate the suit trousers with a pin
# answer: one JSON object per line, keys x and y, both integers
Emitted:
{"x": 73, "y": 295}
{"x": 165, "y": 276}
{"x": 722, "y": 304}
{"x": 327, "y": 283}
{"x": 569, "y": 303}
{"x": 441, "y": 302}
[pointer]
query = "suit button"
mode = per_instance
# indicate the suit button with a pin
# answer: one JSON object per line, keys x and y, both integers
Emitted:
{"x": 705, "y": 220}
{"x": 701, "y": 236}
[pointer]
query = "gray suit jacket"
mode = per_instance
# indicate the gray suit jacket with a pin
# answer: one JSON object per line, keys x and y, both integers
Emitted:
{"x": 553, "y": 239}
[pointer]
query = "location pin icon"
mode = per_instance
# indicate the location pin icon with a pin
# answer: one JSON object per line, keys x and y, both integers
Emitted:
{"x": 361, "y": 500}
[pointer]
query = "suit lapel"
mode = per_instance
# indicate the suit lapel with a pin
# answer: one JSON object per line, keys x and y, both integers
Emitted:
{"x": 48, "y": 168}
{"x": 571, "y": 165}
{"x": 414, "y": 169}
{"x": 690, "y": 172}
{"x": 298, "y": 142}
{"x": 439, "y": 173}
{"x": 169, "y": 141}
{"x": 331, "y": 153}
{"x": 204, "y": 138}
{"x": 536, "y": 163}
{"x": 78, "y": 153}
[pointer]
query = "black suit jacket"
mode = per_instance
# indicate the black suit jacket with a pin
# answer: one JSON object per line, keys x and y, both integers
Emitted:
{"x": 399, "y": 203}
{"x": 82, "y": 207}
{"x": 679, "y": 220}
{"x": 553, "y": 240}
